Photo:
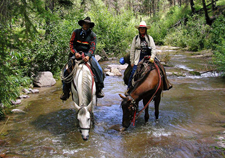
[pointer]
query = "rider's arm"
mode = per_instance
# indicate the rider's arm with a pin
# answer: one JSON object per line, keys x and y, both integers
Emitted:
{"x": 92, "y": 43}
{"x": 152, "y": 44}
{"x": 132, "y": 51}
{"x": 72, "y": 43}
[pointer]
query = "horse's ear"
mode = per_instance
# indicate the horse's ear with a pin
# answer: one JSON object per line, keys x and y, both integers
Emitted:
{"x": 76, "y": 106}
{"x": 121, "y": 96}
{"x": 89, "y": 107}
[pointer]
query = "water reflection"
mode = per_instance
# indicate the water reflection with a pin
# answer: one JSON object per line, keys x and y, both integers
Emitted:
{"x": 191, "y": 117}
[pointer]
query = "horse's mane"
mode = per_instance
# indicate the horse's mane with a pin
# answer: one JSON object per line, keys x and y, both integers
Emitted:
{"x": 87, "y": 89}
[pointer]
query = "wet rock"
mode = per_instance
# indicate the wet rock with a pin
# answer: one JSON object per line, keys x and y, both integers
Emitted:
{"x": 18, "y": 111}
{"x": 34, "y": 90}
{"x": 116, "y": 71}
{"x": 109, "y": 74}
{"x": 44, "y": 79}
{"x": 17, "y": 102}
{"x": 107, "y": 70}
{"x": 23, "y": 96}
{"x": 26, "y": 91}
{"x": 98, "y": 57}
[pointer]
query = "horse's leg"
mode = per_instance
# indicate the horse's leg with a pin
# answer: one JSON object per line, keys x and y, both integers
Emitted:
{"x": 157, "y": 101}
{"x": 145, "y": 101}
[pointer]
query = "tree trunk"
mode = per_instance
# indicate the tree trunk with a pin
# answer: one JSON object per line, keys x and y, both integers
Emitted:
{"x": 192, "y": 7}
{"x": 153, "y": 7}
{"x": 49, "y": 4}
{"x": 207, "y": 18}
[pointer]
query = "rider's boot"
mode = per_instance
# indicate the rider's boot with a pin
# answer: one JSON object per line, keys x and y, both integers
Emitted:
{"x": 66, "y": 92}
{"x": 99, "y": 93}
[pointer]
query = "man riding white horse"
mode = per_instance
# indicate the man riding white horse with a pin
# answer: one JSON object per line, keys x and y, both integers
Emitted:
{"x": 83, "y": 41}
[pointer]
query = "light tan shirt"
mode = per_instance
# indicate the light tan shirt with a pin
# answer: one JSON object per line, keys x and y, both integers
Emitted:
{"x": 136, "y": 46}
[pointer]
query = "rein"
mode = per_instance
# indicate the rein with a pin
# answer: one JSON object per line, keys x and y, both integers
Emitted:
{"x": 135, "y": 117}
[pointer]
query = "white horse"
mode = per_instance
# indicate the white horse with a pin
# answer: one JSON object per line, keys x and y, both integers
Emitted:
{"x": 84, "y": 96}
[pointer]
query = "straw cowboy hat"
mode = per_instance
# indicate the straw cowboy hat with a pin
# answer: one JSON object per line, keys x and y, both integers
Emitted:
{"x": 142, "y": 24}
{"x": 87, "y": 20}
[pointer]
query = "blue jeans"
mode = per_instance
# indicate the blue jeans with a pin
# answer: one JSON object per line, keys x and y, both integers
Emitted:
{"x": 131, "y": 75}
{"x": 99, "y": 67}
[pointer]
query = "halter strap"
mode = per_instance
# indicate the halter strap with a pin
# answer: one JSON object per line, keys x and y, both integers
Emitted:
{"x": 84, "y": 128}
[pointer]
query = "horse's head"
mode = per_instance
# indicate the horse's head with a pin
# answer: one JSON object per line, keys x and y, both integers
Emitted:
{"x": 129, "y": 107}
{"x": 84, "y": 117}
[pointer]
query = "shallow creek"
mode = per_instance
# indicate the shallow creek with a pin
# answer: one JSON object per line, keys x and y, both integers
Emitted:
{"x": 191, "y": 120}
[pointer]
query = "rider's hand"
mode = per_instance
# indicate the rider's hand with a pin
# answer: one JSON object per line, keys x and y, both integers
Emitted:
{"x": 86, "y": 59}
{"x": 77, "y": 56}
{"x": 151, "y": 60}
{"x": 132, "y": 65}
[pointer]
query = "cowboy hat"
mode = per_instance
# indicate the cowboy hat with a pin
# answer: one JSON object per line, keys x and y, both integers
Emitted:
{"x": 87, "y": 20}
{"x": 142, "y": 24}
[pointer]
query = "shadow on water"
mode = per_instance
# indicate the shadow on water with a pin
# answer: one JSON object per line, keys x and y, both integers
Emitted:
{"x": 191, "y": 122}
{"x": 58, "y": 122}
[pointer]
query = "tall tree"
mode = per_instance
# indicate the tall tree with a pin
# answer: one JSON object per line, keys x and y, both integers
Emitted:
{"x": 50, "y": 5}
{"x": 192, "y": 6}
{"x": 207, "y": 18}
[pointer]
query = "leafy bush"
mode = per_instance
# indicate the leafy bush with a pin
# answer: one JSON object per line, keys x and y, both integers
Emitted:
{"x": 114, "y": 32}
{"x": 217, "y": 42}
{"x": 217, "y": 33}
{"x": 193, "y": 35}
{"x": 219, "y": 56}
{"x": 175, "y": 38}
{"x": 164, "y": 26}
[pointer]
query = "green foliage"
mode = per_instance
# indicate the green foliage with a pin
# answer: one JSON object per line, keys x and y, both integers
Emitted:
{"x": 193, "y": 35}
{"x": 114, "y": 32}
{"x": 218, "y": 42}
{"x": 175, "y": 38}
{"x": 160, "y": 25}
{"x": 217, "y": 33}
{"x": 219, "y": 56}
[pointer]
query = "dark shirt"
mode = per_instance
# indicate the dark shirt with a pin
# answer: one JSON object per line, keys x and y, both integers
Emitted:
{"x": 83, "y": 41}
{"x": 144, "y": 46}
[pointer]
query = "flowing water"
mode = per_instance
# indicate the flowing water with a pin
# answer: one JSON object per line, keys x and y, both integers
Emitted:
{"x": 191, "y": 121}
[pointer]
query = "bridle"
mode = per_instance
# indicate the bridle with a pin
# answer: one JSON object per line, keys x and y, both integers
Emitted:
{"x": 81, "y": 128}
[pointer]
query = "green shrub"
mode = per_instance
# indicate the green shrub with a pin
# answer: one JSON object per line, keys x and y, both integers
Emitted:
{"x": 114, "y": 32}
{"x": 193, "y": 35}
{"x": 217, "y": 33}
{"x": 219, "y": 56}
{"x": 175, "y": 38}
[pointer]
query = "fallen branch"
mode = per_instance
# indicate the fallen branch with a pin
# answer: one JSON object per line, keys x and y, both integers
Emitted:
{"x": 4, "y": 125}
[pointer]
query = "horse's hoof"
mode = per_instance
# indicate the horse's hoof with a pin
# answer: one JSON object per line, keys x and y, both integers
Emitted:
{"x": 157, "y": 121}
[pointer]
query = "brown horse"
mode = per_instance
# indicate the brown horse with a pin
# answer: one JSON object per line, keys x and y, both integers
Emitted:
{"x": 151, "y": 87}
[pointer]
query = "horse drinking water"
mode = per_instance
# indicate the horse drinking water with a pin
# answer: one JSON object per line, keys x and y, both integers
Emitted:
{"x": 84, "y": 96}
{"x": 149, "y": 88}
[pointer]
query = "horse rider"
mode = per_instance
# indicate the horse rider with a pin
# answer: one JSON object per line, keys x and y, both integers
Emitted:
{"x": 142, "y": 45}
{"x": 83, "y": 42}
